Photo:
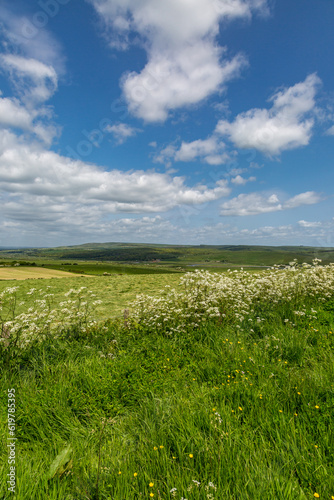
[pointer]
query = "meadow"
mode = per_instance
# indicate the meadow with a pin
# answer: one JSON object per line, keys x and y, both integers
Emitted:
{"x": 218, "y": 386}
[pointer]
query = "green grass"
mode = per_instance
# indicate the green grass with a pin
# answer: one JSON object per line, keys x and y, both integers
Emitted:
{"x": 249, "y": 412}
{"x": 115, "y": 291}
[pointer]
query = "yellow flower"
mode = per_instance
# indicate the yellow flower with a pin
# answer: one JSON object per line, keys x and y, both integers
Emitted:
{"x": 151, "y": 495}
{"x": 240, "y": 408}
{"x": 174, "y": 458}
{"x": 316, "y": 495}
{"x": 213, "y": 409}
{"x": 155, "y": 448}
{"x": 161, "y": 447}
{"x": 151, "y": 485}
{"x": 119, "y": 472}
{"x": 191, "y": 455}
{"x": 135, "y": 474}
{"x": 281, "y": 411}
{"x": 316, "y": 406}
{"x": 299, "y": 393}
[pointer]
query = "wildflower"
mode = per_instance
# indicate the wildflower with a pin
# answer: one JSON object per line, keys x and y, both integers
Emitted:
{"x": 151, "y": 495}
{"x": 135, "y": 474}
{"x": 151, "y": 485}
{"x": 119, "y": 472}
{"x": 316, "y": 406}
{"x": 161, "y": 447}
{"x": 240, "y": 408}
{"x": 316, "y": 495}
{"x": 155, "y": 448}
{"x": 191, "y": 455}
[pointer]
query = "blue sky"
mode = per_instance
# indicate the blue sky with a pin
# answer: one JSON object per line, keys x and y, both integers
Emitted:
{"x": 178, "y": 121}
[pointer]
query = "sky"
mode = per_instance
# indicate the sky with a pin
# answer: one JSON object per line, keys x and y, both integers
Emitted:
{"x": 172, "y": 121}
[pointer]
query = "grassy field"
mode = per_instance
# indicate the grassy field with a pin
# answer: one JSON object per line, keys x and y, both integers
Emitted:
{"x": 236, "y": 408}
{"x": 116, "y": 291}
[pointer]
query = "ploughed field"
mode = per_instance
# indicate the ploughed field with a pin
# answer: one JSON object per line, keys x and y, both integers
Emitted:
{"x": 23, "y": 273}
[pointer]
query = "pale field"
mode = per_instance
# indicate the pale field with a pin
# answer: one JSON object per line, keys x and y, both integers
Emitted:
{"x": 116, "y": 291}
{"x": 24, "y": 273}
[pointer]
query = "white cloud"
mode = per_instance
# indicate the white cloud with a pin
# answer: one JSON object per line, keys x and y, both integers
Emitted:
{"x": 173, "y": 80}
{"x": 251, "y": 204}
{"x": 28, "y": 171}
{"x": 210, "y": 150}
{"x": 308, "y": 198}
{"x": 330, "y": 131}
{"x": 304, "y": 223}
{"x": 286, "y": 125}
{"x": 122, "y": 131}
{"x": 23, "y": 38}
{"x": 13, "y": 114}
{"x": 33, "y": 66}
{"x": 257, "y": 203}
{"x": 191, "y": 150}
{"x": 35, "y": 81}
{"x": 184, "y": 63}
{"x": 241, "y": 181}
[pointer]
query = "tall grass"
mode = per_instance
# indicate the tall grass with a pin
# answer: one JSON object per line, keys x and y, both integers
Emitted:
{"x": 209, "y": 412}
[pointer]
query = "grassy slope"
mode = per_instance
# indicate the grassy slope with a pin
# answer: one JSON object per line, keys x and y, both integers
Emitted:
{"x": 249, "y": 412}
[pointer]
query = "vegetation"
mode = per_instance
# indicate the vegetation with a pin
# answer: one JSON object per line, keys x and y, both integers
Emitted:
{"x": 237, "y": 403}
{"x": 143, "y": 257}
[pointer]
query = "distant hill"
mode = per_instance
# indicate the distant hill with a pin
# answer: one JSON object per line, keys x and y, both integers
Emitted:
{"x": 207, "y": 255}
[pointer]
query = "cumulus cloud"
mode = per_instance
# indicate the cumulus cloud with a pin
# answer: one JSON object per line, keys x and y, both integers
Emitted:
{"x": 173, "y": 80}
{"x": 185, "y": 65}
{"x": 210, "y": 150}
{"x": 257, "y": 203}
{"x": 308, "y": 198}
{"x": 238, "y": 180}
{"x": 13, "y": 114}
{"x": 121, "y": 131}
{"x": 29, "y": 171}
{"x": 251, "y": 204}
{"x": 286, "y": 125}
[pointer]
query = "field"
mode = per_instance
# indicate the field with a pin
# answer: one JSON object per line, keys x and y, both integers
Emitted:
{"x": 23, "y": 273}
{"x": 116, "y": 291}
{"x": 221, "y": 389}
